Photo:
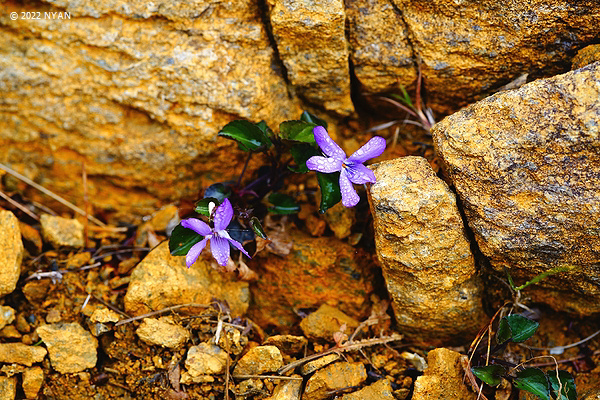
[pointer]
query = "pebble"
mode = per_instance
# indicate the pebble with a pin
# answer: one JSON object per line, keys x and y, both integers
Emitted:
{"x": 32, "y": 238}
{"x": 61, "y": 232}
{"x": 10, "y": 332}
{"x": 443, "y": 378}
{"x": 8, "y": 388}
{"x": 249, "y": 388}
{"x": 334, "y": 377}
{"x": 7, "y": 316}
{"x": 288, "y": 344}
{"x": 380, "y": 390}
{"x": 22, "y": 325}
{"x": 259, "y": 360}
{"x": 21, "y": 353}
{"x": 11, "y": 252}
{"x": 72, "y": 348}
{"x": 53, "y": 316}
{"x": 205, "y": 359}
{"x": 287, "y": 390}
{"x": 326, "y": 321}
{"x": 104, "y": 316}
{"x": 162, "y": 332}
{"x": 165, "y": 219}
{"x": 33, "y": 378}
{"x": 319, "y": 363}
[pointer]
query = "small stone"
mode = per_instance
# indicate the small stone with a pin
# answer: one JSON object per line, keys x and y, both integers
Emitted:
{"x": 11, "y": 252}
{"x": 249, "y": 388}
{"x": 587, "y": 55}
{"x": 22, "y": 325}
{"x": 326, "y": 321}
{"x": 166, "y": 218}
{"x": 340, "y": 220}
{"x": 443, "y": 379}
{"x": 33, "y": 378}
{"x": 21, "y": 353}
{"x": 319, "y": 363}
{"x": 36, "y": 290}
{"x": 287, "y": 389}
{"x": 162, "y": 332}
{"x": 205, "y": 359}
{"x": 380, "y": 390}
{"x": 71, "y": 348}
{"x": 8, "y": 388}
{"x": 53, "y": 316}
{"x": 288, "y": 344}
{"x": 61, "y": 232}
{"x": 258, "y": 360}
{"x": 334, "y": 377}
{"x": 104, "y": 316}
{"x": 32, "y": 238}
{"x": 7, "y": 316}
{"x": 161, "y": 280}
{"x": 10, "y": 332}
{"x": 79, "y": 260}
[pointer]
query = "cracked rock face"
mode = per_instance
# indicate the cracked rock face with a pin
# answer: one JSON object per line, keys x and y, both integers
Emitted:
{"x": 526, "y": 166}
{"x": 425, "y": 257}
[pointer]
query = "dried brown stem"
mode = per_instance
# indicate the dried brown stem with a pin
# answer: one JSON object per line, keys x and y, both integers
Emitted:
{"x": 19, "y": 206}
{"x": 158, "y": 312}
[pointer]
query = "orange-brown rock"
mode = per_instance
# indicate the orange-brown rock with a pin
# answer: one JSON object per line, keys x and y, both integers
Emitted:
{"x": 334, "y": 377}
{"x": 311, "y": 41}
{"x": 161, "y": 280}
{"x": 381, "y": 54}
{"x": 135, "y": 90}
{"x": 467, "y": 48}
{"x": 587, "y": 55}
{"x": 444, "y": 378}
{"x": 11, "y": 252}
{"x": 526, "y": 166}
{"x": 425, "y": 256}
{"x": 71, "y": 347}
{"x": 317, "y": 271}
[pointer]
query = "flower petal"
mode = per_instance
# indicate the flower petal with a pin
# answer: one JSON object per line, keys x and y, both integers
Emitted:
{"x": 373, "y": 148}
{"x": 327, "y": 145}
{"x": 194, "y": 252}
{"x": 349, "y": 196}
{"x": 239, "y": 246}
{"x": 359, "y": 174}
{"x": 324, "y": 164}
{"x": 220, "y": 250}
{"x": 223, "y": 215}
{"x": 200, "y": 227}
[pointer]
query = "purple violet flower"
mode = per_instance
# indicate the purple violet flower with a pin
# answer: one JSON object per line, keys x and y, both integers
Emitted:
{"x": 219, "y": 237}
{"x": 351, "y": 168}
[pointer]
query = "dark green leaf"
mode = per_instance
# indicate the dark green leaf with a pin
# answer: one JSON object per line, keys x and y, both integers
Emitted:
{"x": 202, "y": 206}
{"x": 217, "y": 191}
{"x": 182, "y": 239}
{"x": 330, "y": 190}
{"x": 262, "y": 125}
{"x": 534, "y": 381}
{"x": 491, "y": 374}
{"x": 522, "y": 328}
{"x": 301, "y": 153}
{"x": 504, "y": 332}
{"x": 257, "y": 228}
{"x": 283, "y": 204}
{"x": 249, "y": 136}
{"x": 308, "y": 117}
{"x": 298, "y": 131}
{"x": 238, "y": 233}
{"x": 568, "y": 391}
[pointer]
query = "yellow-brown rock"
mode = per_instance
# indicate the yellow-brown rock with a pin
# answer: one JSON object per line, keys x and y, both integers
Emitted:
{"x": 468, "y": 48}
{"x": 162, "y": 332}
{"x": 287, "y": 390}
{"x": 61, "y": 232}
{"x": 326, "y": 321}
{"x": 20, "y": 353}
{"x": 381, "y": 54}
{"x": 8, "y": 388}
{"x": 205, "y": 359}
{"x": 71, "y": 348}
{"x": 7, "y": 316}
{"x": 259, "y": 360}
{"x": 380, "y": 390}
{"x": 317, "y": 271}
{"x": 334, "y": 377}
{"x": 587, "y": 55}
{"x": 443, "y": 379}
{"x": 311, "y": 41}
{"x": 137, "y": 91}
{"x": 526, "y": 166}
{"x": 425, "y": 256}
{"x": 33, "y": 378}
{"x": 161, "y": 280}
{"x": 11, "y": 252}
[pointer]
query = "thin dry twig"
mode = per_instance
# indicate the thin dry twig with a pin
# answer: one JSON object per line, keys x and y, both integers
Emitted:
{"x": 288, "y": 378}
{"x": 158, "y": 312}
{"x": 85, "y": 204}
{"x": 51, "y": 194}
{"x": 19, "y": 206}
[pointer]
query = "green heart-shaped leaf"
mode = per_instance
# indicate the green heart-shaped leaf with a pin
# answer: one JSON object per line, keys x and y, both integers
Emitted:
{"x": 182, "y": 239}
{"x": 298, "y": 131}
{"x": 516, "y": 328}
{"x": 534, "y": 381}
{"x": 568, "y": 391}
{"x": 330, "y": 190}
{"x": 249, "y": 136}
{"x": 283, "y": 204}
{"x": 490, "y": 374}
{"x": 308, "y": 117}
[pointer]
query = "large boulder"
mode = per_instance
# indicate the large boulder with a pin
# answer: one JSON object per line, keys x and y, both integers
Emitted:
{"x": 425, "y": 256}
{"x": 526, "y": 166}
